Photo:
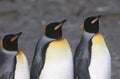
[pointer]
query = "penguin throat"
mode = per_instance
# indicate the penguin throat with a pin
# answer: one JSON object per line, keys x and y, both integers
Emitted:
{"x": 87, "y": 35}
{"x": 54, "y": 35}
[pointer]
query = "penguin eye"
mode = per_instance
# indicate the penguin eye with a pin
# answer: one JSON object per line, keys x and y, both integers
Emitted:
{"x": 58, "y": 26}
{"x": 93, "y": 21}
{"x": 14, "y": 38}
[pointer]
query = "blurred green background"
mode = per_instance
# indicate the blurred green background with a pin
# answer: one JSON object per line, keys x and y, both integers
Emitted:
{"x": 29, "y": 17}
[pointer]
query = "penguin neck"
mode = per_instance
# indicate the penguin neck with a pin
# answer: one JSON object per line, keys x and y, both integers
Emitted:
{"x": 87, "y": 36}
{"x": 9, "y": 52}
{"x": 47, "y": 38}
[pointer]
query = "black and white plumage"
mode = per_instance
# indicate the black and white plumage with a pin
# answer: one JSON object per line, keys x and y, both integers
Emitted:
{"x": 13, "y": 62}
{"x": 92, "y": 58}
{"x": 53, "y": 56}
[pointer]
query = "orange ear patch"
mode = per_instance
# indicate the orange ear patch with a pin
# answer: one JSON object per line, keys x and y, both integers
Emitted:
{"x": 0, "y": 43}
{"x": 44, "y": 29}
{"x": 82, "y": 26}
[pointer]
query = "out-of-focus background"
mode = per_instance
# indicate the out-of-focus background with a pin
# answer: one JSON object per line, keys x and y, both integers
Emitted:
{"x": 29, "y": 17}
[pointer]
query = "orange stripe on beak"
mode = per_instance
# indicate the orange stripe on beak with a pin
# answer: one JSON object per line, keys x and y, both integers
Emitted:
{"x": 14, "y": 38}
{"x": 93, "y": 21}
{"x": 58, "y": 26}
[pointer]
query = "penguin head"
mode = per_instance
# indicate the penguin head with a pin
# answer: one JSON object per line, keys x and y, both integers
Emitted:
{"x": 10, "y": 41}
{"x": 54, "y": 30}
{"x": 91, "y": 24}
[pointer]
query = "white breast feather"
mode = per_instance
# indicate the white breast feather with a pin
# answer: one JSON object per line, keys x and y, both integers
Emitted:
{"x": 100, "y": 67}
{"x": 58, "y": 63}
{"x": 22, "y": 69}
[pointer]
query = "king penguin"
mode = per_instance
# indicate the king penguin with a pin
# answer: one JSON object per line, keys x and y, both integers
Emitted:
{"x": 92, "y": 58}
{"x": 53, "y": 57}
{"x": 13, "y": 62}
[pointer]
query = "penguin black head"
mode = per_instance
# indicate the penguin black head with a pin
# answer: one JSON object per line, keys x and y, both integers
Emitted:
{"x": 10, "y": 42}
{"x": 91, "y": 24}
{"x": 54, "y": 30}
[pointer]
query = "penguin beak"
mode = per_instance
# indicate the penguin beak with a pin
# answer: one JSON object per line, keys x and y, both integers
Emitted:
{"x": 60, "y": 24}
{"x": 96, "y": 19}
{"x": 99, "y": 16}
{"x": 16, "y": 36}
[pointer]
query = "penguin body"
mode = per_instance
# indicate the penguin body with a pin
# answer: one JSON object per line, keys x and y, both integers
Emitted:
{"x": 53, "y": 57}
{"x": 13, "y": 63}
{"x": 58, "y": 61}
{"x": 82, "y": 57}
{"x": 100, "y": 59}
{"x": 92, "y": 59}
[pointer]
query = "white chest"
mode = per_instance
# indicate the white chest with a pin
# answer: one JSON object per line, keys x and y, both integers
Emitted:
{"x": 58, "y": 62}
{"x": 22, "y": 69}
{"x": 100, "y": 67}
